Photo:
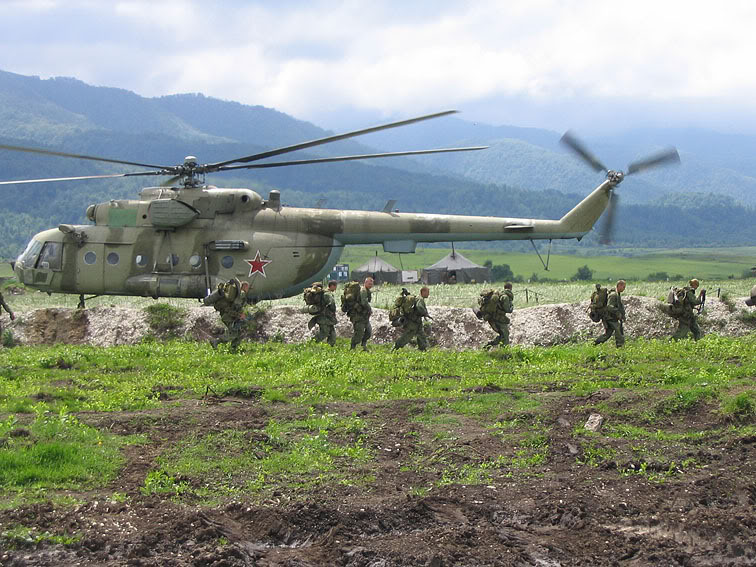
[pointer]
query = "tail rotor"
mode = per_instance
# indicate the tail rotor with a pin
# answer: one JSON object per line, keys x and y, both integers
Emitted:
{"x": 662, "y": 158}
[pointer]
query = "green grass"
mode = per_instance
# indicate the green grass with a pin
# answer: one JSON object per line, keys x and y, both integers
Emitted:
{"x": 314, "y": 451}
{"x": 136, "y": 377}
{"x": 648, "y": 391}
{"x": 55, "y": 451}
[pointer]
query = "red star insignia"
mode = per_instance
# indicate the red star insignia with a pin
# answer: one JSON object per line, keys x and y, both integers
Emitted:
{"x": 257, "y": 265}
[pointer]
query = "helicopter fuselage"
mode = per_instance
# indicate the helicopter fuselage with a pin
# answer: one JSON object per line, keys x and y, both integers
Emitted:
{"x": 183, "y": 242}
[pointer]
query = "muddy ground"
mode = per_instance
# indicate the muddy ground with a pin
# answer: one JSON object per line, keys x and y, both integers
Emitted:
{"x": 564, "y": 512}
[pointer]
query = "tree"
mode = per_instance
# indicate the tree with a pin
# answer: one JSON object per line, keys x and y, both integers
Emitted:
{"x": 583, "y": 274}
{"x": 502, "y": 273}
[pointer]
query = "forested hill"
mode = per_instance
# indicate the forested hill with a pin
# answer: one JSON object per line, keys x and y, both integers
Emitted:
{"x": 68, "y": 115}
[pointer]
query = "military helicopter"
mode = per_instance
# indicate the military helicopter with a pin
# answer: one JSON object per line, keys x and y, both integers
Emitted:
{"x": 184, "y": 237}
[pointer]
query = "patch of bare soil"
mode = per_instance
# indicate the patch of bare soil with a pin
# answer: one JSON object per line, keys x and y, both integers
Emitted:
{"x": 561, "y": 513}
{"x": 451, "y": 328}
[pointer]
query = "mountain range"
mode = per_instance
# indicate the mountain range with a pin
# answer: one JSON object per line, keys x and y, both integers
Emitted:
{"x": 525, "y": 172}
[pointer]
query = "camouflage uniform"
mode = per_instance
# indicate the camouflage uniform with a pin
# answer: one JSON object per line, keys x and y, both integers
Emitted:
{"x": 232, "y": 316}
{"x": 359, "y": 315}
{"x": 326, "y": 320}
{"x": 687, "y": 322}
{"x": 413, "y": 327}
{"x": 499, "y": 321}
{"x": 612, "y": 317}
{"x": 8, "y": 309}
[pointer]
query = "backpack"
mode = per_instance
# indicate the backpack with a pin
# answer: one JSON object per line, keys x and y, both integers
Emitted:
{"x": 488, "y": 301}
{"x": 313, "y": 295}
{"x": 403, "y": 305}
{"x": 351, "y": 297}
{"x": 676, "y": 300}
{"x": 599, "y": 300}
{"x": 676, "y": 295}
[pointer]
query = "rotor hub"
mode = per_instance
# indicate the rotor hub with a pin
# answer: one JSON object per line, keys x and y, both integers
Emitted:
{"x": 615, "y": 177}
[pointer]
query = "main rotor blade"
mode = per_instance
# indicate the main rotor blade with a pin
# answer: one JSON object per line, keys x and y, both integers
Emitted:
{"x": 23, "y": 181}
{"x": 348, "y": 158}
{"x": 278, "y": 151}
{"x": 77, "y": 156}
{"x": 572, "y": 142}
{"x": 662, "y": 158}
{"x": 607, "y": 230}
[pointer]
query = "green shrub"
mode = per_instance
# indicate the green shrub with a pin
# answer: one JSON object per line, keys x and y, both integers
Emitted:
{"x": 740, "y": 407}
{"x": 8, "y": 339}
{"x": 165, "y": 319}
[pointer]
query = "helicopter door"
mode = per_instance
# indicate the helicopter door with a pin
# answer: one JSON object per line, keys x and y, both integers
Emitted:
{"x": 89, "y": 268}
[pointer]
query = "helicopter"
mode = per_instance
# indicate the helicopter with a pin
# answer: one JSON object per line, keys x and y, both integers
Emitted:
{"x": 184, "y": 237}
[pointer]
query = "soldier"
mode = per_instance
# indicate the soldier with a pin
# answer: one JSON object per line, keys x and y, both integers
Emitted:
{"x": 359, "y": 313}
{"x": 413, "y": 324}
{"x": 229, "y": 301}
{"x": 613, "y": 316}
{"x": 498, "y": 319}
{"x": 325, "y": 314}
{"x": 685, "y": 313}
{"x": 8, "y": 309}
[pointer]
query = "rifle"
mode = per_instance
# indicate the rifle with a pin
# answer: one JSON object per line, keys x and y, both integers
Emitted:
{"x": 702, "y": 297}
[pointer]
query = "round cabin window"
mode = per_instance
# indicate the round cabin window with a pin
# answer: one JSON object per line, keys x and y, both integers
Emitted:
{"x": 227, "y": 261}
{"x": 140, "y": 260}
{"x": 195, "y": 261}
{"x": 113, "y": 258}
{"x": 90, "y": 258}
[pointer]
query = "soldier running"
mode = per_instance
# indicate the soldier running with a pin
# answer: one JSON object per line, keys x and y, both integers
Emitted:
{"x": 498, "y": 320}
{"x": 324, "y": 311}
{"x": 359, "y": 314}
{"x": 613, "y": 316}
{"x": 686, "y": 314}
{"x": 413, "y": 324}
{"x": 229, "y": 301}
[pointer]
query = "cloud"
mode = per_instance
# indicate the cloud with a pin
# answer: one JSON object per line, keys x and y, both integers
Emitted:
{"x": 313, "y": 58}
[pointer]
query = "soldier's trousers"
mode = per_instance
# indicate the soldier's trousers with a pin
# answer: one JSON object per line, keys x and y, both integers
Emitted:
{"x": 326, "y": 333}
{"x": 502, "y": 332}
{"x": 233, "y": 334}
{"x": 611, "y": 328}
{"x": 413, "y": 330}
{"x": 685, "y": 326}
{"x": 362, "y": 332}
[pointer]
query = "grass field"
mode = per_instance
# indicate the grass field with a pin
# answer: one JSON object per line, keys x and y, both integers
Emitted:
{"x": 42, "y": 389}
{"x": 704, "y": 263}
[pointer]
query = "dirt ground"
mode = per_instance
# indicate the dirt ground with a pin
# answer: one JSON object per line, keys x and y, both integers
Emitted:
{"x": 564, "y": 513}
{"x": 567, "y": 514}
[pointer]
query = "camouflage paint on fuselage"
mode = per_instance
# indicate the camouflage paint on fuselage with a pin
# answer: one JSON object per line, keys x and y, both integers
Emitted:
{"x": 182, "y": 248}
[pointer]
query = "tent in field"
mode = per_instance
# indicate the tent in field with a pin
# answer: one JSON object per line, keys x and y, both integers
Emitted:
{"x": 378, "y": 269}
{"x": 455, "y": 268}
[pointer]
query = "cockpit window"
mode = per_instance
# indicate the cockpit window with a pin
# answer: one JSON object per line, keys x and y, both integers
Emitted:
{"x": 29, "y": 256}
{"x": 51, "y": 257}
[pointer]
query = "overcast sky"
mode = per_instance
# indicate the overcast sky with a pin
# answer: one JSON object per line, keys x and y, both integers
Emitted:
{"x": 589, "y": 64}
